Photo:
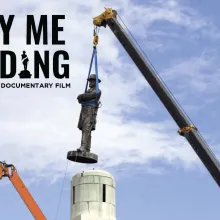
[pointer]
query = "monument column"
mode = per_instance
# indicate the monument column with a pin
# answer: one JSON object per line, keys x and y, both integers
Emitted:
{"x": 93, "y": 196}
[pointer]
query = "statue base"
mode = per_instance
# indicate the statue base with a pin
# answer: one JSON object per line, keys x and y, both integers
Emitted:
{"x": 25, "y": 74}
{"x": 82, "y": 157}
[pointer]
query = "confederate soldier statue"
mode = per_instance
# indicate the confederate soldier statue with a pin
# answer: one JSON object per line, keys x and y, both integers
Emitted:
{"x": 87, "y": 120}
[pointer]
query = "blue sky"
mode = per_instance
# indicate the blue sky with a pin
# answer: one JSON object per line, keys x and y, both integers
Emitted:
{"x": 164, "y": 179}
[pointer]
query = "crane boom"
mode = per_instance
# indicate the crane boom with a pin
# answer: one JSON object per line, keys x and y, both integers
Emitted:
{"x": 10, "y": 172}
{"x": 186, "y": 129}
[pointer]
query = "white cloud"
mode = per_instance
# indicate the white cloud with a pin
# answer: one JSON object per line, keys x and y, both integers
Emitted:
{"x": 38, "y": 126}
{"x": 140, "y": 18}
{"x": 199, "y": 74}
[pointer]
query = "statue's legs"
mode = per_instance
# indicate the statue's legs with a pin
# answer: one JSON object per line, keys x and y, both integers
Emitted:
{"x": 86, "y": 139}
{"x": 88, "y": 146}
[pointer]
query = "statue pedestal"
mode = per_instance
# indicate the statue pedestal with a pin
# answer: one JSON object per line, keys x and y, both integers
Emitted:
{"x": 25, "y": 74}
{"x": 79, "y": 157}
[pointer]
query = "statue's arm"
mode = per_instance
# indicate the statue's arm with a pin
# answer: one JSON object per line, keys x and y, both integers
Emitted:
{"x": 88, "y": 96}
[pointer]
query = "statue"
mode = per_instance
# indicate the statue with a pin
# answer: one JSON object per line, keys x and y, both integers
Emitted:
{"x": 24, "y": 74}
{"x": 88, "y": 114}
{"x": 24, "y": 59}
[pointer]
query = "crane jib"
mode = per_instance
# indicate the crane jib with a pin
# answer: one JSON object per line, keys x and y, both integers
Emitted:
{"x": 192, "y": 136}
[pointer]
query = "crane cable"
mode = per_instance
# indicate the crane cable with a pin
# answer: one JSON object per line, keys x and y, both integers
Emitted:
{"x": 58, "y": 207}
{"x": 94, "y": 102}
{"x": 96, "y": 35}
{"x": 188, "y": 128}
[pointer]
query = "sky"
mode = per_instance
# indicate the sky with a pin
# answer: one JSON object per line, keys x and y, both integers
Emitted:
{"x": 158, "y": 175}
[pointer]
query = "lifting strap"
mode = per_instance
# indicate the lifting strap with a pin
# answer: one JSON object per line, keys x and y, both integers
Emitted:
{"x": 93, "y": 102}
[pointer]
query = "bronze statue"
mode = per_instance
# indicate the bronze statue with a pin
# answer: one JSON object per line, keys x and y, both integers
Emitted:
{"x": 87, "y": 120}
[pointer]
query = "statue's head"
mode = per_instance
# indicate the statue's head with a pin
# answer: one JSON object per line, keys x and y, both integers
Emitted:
{"x": 92, "y": 80}
{"x": 24, "y": 52}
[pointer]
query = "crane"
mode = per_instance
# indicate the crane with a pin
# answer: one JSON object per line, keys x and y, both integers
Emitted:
{"x": 8, "y": 170}
{"x": 186, "y": 129}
